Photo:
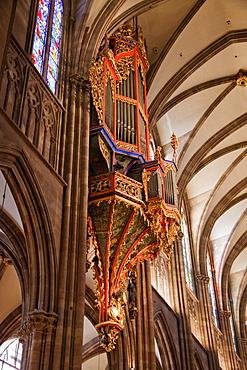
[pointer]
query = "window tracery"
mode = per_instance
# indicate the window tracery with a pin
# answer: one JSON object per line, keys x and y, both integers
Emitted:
{"x": 47, "y": 39}
{"x": 10, "y": 354}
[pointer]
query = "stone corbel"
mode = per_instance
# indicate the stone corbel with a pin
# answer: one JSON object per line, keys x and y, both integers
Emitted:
{"x": 37, "y": 321}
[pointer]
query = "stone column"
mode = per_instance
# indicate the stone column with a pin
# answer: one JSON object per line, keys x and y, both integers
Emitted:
{"x": 181, "y": 305}
{"x": 207, "y": 326}
{"x": 151, "y": 356}
{"x": 71, "y": 299}
{"x": 228, "y": 347}
{"x": 81, "y": 257}
{"x": 145, "y": 351}
{"x": 37, "y": 335}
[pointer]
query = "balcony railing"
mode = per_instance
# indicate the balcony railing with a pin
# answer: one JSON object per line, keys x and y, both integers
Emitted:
{"x": 115, "y": 182}
{"x": 28, "y": 101}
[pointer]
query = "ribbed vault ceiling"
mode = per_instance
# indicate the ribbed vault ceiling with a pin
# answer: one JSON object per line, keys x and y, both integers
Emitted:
{"x": 196, "y": 50}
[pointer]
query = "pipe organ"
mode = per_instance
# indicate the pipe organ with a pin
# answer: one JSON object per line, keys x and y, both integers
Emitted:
{"x": 132, "y": 198}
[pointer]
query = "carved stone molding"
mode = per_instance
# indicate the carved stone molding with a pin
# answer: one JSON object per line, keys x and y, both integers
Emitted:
{"x": 48, "y": 115}
{"x": 13, "y": 68}
{"x": 192, "y": 306}
{"x": 28, "y": 101}
{"x": 37, "y": 321}
{"x": 32, "y": 96}
{"x": 219, "y": 344}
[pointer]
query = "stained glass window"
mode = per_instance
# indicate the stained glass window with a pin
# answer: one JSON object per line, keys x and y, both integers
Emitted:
{"x": 187, "y": 255}
{"x": 47, "y": 39}
{"x": 212, "y": 293}
{"x": 54, "y": 49}
{"x": 40, "y": 34}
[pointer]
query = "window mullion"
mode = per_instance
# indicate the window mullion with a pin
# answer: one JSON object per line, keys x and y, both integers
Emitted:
{"x": 48, "y": 40}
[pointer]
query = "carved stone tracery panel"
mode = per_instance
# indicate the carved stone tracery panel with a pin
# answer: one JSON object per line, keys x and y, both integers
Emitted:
{"x": 28, "y": 101}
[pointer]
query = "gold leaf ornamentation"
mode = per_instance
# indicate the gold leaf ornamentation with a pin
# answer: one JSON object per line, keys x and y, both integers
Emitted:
{"x": 104, "y": 151}
{"x": 124, "y": 66}
{"x": 97, "y": 84}
{"x": 127, "y": 146}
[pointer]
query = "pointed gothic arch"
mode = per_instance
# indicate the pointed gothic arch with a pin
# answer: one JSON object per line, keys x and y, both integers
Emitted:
{"x": 165, "y": 343}
{"x": 37, "y": 259}
{"x": 198, "y": 362}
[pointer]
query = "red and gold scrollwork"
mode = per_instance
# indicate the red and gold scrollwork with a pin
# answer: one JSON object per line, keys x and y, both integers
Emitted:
{"x": 129, "y": 220}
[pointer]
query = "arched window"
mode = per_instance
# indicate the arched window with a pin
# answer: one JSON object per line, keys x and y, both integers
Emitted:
{"x": 189, "y": 277}
{"x": 10, "y": 354}
{"x": 47, "y": 38}
{"x": 212, "y": 292}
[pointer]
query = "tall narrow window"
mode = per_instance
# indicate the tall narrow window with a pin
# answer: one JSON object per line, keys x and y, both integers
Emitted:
{"x": 231, "y": 309}
{"x": 187, "y": 254}
{"x": 40, "y": 35}
{"x": 212, "y": 292}
{"x": 10, "y": 354}
{"x": 47, "y": 38}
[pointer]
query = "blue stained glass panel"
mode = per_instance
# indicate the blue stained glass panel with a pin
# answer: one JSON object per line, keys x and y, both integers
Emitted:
{"x": 40, "y": 34}
{"x": 54, "y": 49}
{"x": 52, "y": 70}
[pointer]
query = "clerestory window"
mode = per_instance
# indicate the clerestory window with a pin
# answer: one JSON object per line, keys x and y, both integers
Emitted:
{"x": 211, "y": 291}
{"x": 47, "y": 39}
{"x": 188, "y": 268}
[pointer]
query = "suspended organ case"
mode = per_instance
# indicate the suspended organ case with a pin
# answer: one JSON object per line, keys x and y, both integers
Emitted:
{"x": 132, "y": 198}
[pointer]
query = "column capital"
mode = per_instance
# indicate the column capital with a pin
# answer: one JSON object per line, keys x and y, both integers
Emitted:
{"x": 203, "y": 279}
{"x": 225, "y": 314}
{"x": 79, "y": 81}
{"x": 37, "y": 321}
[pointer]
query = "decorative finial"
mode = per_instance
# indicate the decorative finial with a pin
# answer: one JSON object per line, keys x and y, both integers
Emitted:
{"x": 157, "y": 154}
{"x": 174, "y": 145}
